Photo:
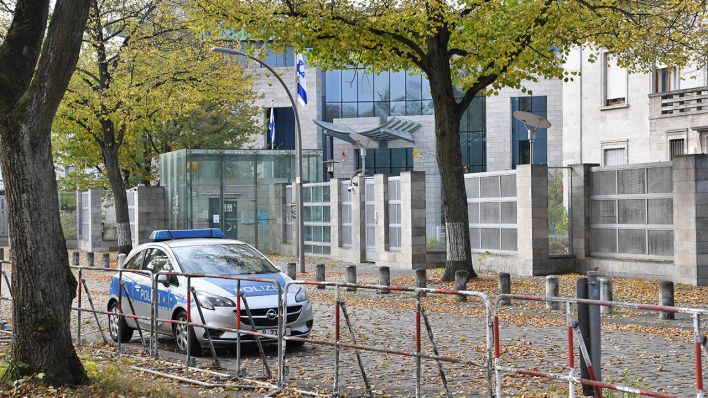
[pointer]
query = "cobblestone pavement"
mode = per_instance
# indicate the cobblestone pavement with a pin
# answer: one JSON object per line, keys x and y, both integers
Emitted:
{"x": 638, "y": 349}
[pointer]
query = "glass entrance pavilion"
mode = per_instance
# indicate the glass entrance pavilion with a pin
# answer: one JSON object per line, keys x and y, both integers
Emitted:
{"x": 231, "y": 189}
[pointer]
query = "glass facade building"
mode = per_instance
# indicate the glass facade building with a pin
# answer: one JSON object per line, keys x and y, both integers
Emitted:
{"x": 231, "y": 189}
{"x": 354, "y": 93}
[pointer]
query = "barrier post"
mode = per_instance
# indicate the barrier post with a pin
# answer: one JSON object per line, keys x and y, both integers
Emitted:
{"x": 504, "y": 285}
{"x": 154, "y": 308}
{"x": 78, "y": 315}
{"x": 666, "y": 297}
{"x": 421, "y": 280}
{"x": 320, "y": 274}
{"x": 120, "y": 304}
{"x": 238, "y": 326}
{"x": 581, "y": 286}
{"x": 552, "y": 291}
{"x": 189, "y": 319}
{"x": 571, "y": 350}
{"x": 384, "y": 278}
{"x": 336, "y": 342}
{"x": 461, "y": 283}
{"x": 699, "y": 357}
{"x": 351, "y": 277}
{"x": 595, "y": 324}
{"x": 418, "y": 392}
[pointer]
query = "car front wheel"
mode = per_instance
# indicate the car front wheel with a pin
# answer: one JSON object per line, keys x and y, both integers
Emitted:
{"x": 117, "y": 327}
{"x": 185, "y": 337}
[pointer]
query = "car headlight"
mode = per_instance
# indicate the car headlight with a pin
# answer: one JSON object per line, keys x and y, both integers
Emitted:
{"x": 301, "y": 295}
{"x": 209, "y": 301}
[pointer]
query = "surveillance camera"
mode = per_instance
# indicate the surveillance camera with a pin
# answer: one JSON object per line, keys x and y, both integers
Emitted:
{"x": 350, "y": 188}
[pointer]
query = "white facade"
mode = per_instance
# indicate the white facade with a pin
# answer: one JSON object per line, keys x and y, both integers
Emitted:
{"x": 599, "y": 128}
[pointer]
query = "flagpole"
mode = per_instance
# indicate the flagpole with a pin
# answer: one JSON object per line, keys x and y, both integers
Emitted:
{"x": 298, "y": 154}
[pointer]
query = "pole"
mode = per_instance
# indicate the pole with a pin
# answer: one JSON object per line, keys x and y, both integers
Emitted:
{"x": 298, "y": 154}
{"x": 595, "y": 324}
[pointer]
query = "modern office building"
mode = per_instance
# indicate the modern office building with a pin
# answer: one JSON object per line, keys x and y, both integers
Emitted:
{"x": 358, "y": 100}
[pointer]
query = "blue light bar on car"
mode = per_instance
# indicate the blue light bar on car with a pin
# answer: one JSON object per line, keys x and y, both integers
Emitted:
{"x": 169, "y": 234}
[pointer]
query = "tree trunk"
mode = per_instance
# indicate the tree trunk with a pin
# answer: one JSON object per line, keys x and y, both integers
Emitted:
{"x": 43, "y": 286}
{"x": 120, "y": 198}
{"x": 449, "y": 159}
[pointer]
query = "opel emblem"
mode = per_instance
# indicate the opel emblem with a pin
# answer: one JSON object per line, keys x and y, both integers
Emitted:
{"x": 271, "y": 314}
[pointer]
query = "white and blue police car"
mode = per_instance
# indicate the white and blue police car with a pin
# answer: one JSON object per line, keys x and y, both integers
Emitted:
{"x": 203, "y": 251}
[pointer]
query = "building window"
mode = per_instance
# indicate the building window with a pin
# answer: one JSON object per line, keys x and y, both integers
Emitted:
{"x": 676, "y": 148}
{"x": 357, "y": 93}
{"x": 473, "y": 137}
{"x": 284, "y": 128}
{"x": 614, "y": 156}
{"x": 614, "y": 82}
{"x": 665, "y": 80}
{"x": 386, "y": 160}
{"x": 394, "y": 213}
{"x": 520, "y": 145}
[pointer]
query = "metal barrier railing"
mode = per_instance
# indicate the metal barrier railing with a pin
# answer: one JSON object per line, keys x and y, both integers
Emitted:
{"x": 492, "y": 364}
{"x": 574, "y": 331}
{"x": 421, "y": 315}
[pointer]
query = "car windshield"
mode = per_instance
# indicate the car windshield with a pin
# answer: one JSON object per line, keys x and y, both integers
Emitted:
{"x": 222, "y": 259}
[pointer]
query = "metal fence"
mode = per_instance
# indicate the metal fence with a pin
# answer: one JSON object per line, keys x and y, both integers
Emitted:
{"x": 632, "y": 211}
{"x": 151, "y": 299}
{"x": 491, "y": 206}
{"x": 316, "y": 220}
{"x": 394, "y": 213}
{"x": 574, "y": 334}
{"x": 345, "y": 227}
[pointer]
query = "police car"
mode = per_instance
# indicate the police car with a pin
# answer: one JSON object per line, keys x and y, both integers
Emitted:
{"x": 203, "y": 251}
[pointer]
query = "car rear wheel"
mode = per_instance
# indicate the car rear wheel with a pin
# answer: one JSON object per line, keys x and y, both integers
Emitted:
{"x": 185, "y": 337}
{"x": 117, "y": 326}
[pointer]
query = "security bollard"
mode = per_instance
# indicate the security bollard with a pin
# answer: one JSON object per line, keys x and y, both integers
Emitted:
{"x": 666, "y": 297}
{"x": 320, "y": 274}
{"x": 75, "y": 258}
{"x": 351, "y": 276}
{"x": 89, "y": 259}
{"x": 106, "y": 260}
{"x": 504, "y": 284}
{"x": 552, "y": 291}
{"x": 384, "y": 279}
{"x": 121, "y": 260}
{"x": 605, "y": 293}
{"x": 461, "y": 283}
{"x": 292, "y": 270}
{"x": 421, "y": 279}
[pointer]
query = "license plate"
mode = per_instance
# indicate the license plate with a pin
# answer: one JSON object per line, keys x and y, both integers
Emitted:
{"x": 274, "y": 332}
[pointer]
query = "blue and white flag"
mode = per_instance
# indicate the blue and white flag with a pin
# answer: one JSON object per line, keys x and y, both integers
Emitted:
{"x": 301, "y": 86}
{"x": 271, "y": 129}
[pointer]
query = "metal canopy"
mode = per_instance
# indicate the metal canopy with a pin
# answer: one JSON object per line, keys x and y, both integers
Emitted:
{"x": 393, "y": 129}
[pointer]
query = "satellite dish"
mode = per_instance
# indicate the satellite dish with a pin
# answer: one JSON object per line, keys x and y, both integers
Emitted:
{"x": 532, "y": 120}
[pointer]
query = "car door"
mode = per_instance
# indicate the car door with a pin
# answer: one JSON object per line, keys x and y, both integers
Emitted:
{"x": 142, "y": 299}
{"x": 157, "y": 260}
{"x": 128, "y": 279}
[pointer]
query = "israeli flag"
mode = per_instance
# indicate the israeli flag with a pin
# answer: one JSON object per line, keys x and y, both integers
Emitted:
{"x": 271, "y": 129}
{"x": 301, "y": 86}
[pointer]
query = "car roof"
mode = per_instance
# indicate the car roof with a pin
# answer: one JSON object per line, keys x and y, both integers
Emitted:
{"x": 194, "y": 242}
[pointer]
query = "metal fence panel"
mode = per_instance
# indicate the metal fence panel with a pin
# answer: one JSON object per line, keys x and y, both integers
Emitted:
{"x": 635, "y": 218}
{"x": 491, "y": 209}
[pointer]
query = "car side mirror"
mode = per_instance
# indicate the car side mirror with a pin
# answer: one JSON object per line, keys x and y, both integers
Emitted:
{"x": 164, "y": 279}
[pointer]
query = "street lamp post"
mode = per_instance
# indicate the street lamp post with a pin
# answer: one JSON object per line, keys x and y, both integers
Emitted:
{"x": 298, "y": 154}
